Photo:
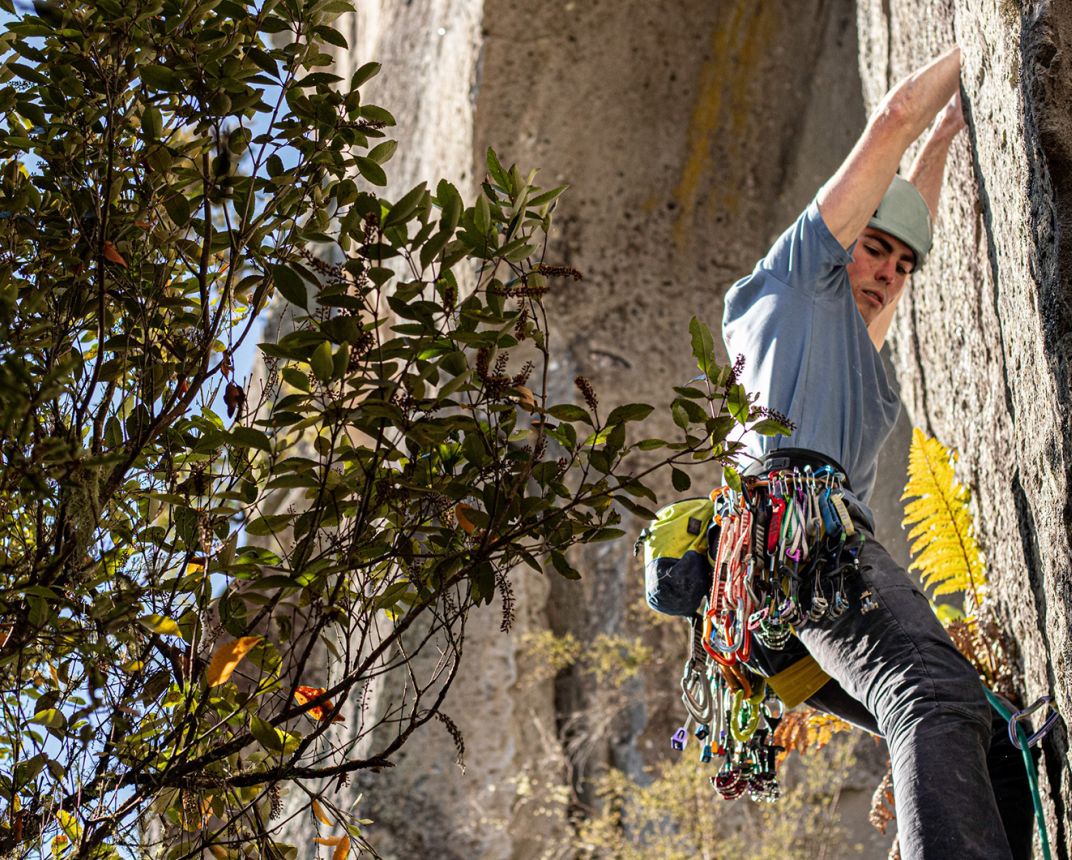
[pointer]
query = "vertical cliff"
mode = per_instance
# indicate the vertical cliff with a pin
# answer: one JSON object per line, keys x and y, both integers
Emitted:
{"x": 983, "y": 344}
{"x": 691, "y": 136}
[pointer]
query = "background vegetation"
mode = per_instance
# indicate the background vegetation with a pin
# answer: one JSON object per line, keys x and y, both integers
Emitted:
{"x": 177, "y": 541}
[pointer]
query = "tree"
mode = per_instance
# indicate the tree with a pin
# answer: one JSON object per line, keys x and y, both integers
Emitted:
{"x": 170, "y": 167}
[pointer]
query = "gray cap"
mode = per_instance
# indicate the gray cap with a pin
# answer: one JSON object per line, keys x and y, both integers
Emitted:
{"x": 904, "y": 215}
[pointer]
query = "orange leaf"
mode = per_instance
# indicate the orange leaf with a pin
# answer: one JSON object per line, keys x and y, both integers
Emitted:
{"x": 304, "y": 694}
{"x": 226, "y": 659}
{"x": 464, "y": 521}
{"x": 321, "y": 816}
{"x": 342, "y": 849}
{"x": 329, "y": 840}
{"x": 113, "y": 256}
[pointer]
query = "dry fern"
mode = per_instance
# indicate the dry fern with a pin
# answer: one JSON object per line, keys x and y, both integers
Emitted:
{"x": 805, "y": 729}
{"x": 882, "y": 812}
{"x": 943, "y": 540}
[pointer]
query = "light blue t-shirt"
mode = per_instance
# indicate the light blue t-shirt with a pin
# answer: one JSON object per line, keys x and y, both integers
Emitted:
{"x": 808, "y": 354}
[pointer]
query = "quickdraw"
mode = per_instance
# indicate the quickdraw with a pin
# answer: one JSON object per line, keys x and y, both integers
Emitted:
{"x": 785, "y": 547}
{"x": 735, "y": 716}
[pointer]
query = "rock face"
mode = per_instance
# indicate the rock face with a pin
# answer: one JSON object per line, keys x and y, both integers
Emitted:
{"x": 983, "y": 346}
{"x": 691, "y": 137}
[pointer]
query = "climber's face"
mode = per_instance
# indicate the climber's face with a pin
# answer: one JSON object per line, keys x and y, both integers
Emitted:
{"x": 878, "y": 271}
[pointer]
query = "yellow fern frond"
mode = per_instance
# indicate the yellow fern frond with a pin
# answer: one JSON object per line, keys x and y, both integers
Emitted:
{"x": 943, "y": 536}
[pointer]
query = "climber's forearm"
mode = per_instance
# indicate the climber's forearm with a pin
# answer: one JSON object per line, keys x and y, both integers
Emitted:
{"x": 929, "y": 166}
{"x": 851, "y": 196}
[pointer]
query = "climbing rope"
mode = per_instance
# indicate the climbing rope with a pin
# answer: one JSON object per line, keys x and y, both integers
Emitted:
{"x": 1023, "y": 742}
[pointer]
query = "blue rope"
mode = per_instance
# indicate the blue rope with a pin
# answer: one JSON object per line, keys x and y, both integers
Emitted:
{"x": 1023, "y": 743}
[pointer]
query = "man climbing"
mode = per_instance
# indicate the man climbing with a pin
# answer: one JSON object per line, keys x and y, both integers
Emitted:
{"x": 810, "y": 319}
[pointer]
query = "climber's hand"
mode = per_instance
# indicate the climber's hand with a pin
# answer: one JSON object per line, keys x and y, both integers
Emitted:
{"x": 951, "y": 120}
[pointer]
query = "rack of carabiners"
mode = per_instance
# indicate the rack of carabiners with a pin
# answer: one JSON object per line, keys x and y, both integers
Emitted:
{"x": 786, "y": 543}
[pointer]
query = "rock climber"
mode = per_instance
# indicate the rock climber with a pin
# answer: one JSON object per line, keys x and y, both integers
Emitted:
{"x": 810, "y": 320}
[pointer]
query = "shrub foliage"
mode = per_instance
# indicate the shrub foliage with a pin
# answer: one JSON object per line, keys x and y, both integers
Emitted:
{"x": 202, "y": 577}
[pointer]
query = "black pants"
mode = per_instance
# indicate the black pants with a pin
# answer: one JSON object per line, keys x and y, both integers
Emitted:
{"x": 960, "y": 786}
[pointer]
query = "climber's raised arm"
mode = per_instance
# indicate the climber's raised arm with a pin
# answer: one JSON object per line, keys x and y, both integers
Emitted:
{"x": 849, "y": 199}
{"x": 928, "y": 168}
{"x": 926, "y": 174}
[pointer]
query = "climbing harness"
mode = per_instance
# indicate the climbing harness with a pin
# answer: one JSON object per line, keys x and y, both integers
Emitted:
{"x": 770, "y": 557}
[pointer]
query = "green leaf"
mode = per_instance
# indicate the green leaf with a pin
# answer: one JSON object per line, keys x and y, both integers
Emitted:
{"x": 546, "y": 197}
{"x": 771, "y": 427}
{"x": 482, "y": 215}
{"x": 321, "y": 362}
{"x": 403, "y": 210}
{"x": 267, "y": 735}
{"x": 732, "y": 478}
{"x": 160, "y": 624}
{"x": 604, "y": 534}
{"x": 564, "y": 568}
{"x": 703, "y": 346}
{"x": 635, "y": 507}
{"x": 371, "y": 170}
{"x": 178, "y": 209}
{"x": 570, "y": 412}
{"x": 680, "y": 480}
{"x": 450, "y": 201}
{"x": 151, "y": 123}
{"x": 291, "y": 285}
{"x": 737, "y": 402}
{"x": 680, "y": 416}
{"x": 251, "y": 438}
{"x": 363, "y": 74}
{"x": 629, "y": 412}
{"x": 160, "y": 77}
{"x": 50, "y": 718}
{"x": 382, "y": 152}
{"x": 495, "y": 170}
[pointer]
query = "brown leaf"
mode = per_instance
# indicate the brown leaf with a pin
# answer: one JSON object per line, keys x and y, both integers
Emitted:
{"x": 526, "y": 398}
{"x": 113, "y": 256}
{"x": 227, "y": 657}
{"x": 234, "y": 398}
{"x": 226, "y": 364}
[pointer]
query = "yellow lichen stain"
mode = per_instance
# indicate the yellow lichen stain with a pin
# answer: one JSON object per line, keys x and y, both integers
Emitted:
{"x": 723, "y": 108}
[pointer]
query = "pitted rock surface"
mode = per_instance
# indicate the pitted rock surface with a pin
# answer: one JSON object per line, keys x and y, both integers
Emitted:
{"x": 982, "y": 349}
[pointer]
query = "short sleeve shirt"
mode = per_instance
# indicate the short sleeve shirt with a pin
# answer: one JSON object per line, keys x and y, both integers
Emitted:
{"x": 808, "y": 353}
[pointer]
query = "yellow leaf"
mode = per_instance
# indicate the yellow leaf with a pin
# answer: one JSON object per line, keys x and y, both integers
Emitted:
{"x": 227, "y": 657}
{"x": 113, "y": 256}
{"x": 943, "y": 540}
{"x": 318, "y": 811}
{"x": 160, "y": 624}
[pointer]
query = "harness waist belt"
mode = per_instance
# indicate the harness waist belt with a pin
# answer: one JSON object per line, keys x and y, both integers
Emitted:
{"x": 789, "y": 458}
